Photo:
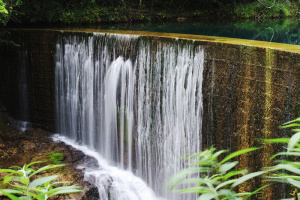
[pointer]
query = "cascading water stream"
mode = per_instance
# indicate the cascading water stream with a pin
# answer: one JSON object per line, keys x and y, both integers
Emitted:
{"x": 136, "y": 102}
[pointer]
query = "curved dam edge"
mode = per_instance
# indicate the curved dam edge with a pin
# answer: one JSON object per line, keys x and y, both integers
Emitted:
{"x": 249, "y": 87}
{"x": 200, "y": 38}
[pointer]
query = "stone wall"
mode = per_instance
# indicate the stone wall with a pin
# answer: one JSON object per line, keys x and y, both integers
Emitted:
{"x": 248, "y": 91}
{"x": 40, "y": 46}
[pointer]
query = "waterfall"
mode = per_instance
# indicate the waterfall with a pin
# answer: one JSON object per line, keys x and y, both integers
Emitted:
{"x": 137, "y": 102}
{"x": 21, "y": 120}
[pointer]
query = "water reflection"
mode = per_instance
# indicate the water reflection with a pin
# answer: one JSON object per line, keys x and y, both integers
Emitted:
{"x": 282, "y": 31}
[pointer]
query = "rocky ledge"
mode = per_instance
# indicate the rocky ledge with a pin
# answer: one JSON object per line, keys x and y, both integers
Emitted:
{"x": 18, "y": 148}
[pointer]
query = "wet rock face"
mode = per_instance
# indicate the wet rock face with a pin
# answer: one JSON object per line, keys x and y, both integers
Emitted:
{"x": 17, "y": 149}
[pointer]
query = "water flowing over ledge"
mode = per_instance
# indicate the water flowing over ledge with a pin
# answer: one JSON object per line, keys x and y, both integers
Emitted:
{"x": 139, "y": 108}
{"x": 248, "y": 89}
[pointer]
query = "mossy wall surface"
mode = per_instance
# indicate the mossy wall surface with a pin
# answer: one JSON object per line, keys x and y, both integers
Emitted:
{"x": 40, "y": 47}
{"x": 248, "y": 91}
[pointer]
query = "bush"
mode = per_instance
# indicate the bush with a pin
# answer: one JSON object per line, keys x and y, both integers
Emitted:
{"x": 26, "y": 187}
{"x": 219, "y": 178}
{"x": 56, "y": 158}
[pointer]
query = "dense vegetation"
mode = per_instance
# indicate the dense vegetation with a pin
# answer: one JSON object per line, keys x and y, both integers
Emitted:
{"x": 100, "y": 11}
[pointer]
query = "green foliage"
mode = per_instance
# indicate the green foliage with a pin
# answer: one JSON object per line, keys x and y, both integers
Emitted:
{"x": 259, "y": 10}
{"x": 56, "y": 157}
{"x": 287, "y": 169}
{"x": 95, "y": 11}
{"x": 3, "y": 13}
{"x": 26, "y": 187}
{"x": 219, "y": 177}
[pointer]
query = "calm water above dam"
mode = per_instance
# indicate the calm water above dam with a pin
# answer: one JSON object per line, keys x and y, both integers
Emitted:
{"x": 281, "y": 31}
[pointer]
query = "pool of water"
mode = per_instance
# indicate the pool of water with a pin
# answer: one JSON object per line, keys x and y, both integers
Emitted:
{"x": 281, "y": 31}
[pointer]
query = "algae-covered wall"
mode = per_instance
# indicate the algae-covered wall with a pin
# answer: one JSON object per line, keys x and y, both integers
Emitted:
{"x": 39, "y": 47}
{"x": 248, "y": 89}
{"x": 249, "y": 93}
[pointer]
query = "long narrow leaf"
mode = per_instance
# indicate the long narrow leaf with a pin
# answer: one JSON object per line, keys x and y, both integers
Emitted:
{"x": 294, "y": 182}
{"x": 247, "y": 177}
{"x": 285, "y": 154}
{"x": 196, "y": 190}
{"x": 11, "y": 171}
{"x": 42, "y": 180}
{"x": 227, "y": 166}
{"x": 207, "y": 196}
{"x": 46, "y": 168}
{"x": 287, "y": 167}
{"x": 65, "y": 191}
{"x": 10, "y": 195}
{"x": 237, "y": 153}
{"x": 234, "y": 173}
{"x": 225, "y": 183}
{"x": 256, "y": 191}
{"x": 277, "y": 140}
{"x": 36, "y": 162}
{"x": 293, "y": 141}
{"x": 290, "y": 125}
{"x": 295, "y": 120}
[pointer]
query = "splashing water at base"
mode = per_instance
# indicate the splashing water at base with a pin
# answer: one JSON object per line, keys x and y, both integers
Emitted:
{"x": 112, "y": 182}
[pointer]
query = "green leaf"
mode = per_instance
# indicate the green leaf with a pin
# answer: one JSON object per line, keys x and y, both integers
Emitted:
{"x": 247, "y": 177}
{"x": 42, "y": 180}
{"x": 295, "y": 120}
{"x": 46, "y": 168}
{"x": 256, "y": 191}
{"x": 285, "y": 154}
{"x": 183, "y": 173}
{"x": 290, "y": 125}
{"x": 217, "y": 154}
{"x": 237, "y": 153}
{"x": 11, "y": 191}
{"x": 25, "y": 198}
{"x": 32, "y": 163}
{"x": 66, "y": 191}
{"x": 25, "y": 181}
{"x": 287, "y": 167}
{"x": 294, "y": 182}
{"x": 277, "y": 140}
{"x": 234, "y": 173}
{"x": 16, "y": 167}
{"x": 190, "y": 180}
{"x": 225, "y": 183}
{"x": 7, "y": 179}
{"x": 10, "y": 195}
{"x": 207, "y": 196}
{"x": 194, "y": 190}
{"x": 227, "y": 166}
{"x": 61, "y": 182}
{"x": 11, "y": 171}
{"x": 293, "y": 141}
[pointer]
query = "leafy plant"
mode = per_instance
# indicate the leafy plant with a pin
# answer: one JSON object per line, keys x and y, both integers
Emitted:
{"x": 25, "y": 187}
{"x": 56, "y": 157}
{"x": 287, "y": 170}
{"x": 218, "y": 178}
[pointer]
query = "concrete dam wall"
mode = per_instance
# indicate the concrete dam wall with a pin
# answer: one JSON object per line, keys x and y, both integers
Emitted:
{"x": 143, "y": 87}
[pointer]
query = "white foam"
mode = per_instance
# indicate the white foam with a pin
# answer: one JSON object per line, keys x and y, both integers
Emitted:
{"x": 112, "y": 182}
